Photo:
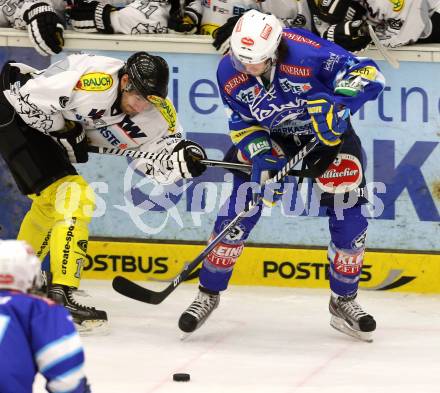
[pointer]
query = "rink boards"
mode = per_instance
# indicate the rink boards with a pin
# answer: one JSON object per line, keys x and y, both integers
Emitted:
{"x": 266, "y": 266}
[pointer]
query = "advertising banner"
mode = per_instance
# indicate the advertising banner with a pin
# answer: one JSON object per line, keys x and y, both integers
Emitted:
{"x": 281, "y": 267}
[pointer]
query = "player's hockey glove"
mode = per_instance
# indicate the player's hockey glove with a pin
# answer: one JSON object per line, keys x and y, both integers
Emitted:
{"x": 328, "y": 119}
{"x": 338, "y": 11}
{"x": 73, "y": 140}
{"x": 45, "y": 29}
{"x": 188, "y": 23}
{"x": 186, "y": 158}
{"x": 264, "y": 166}
{"x": 352, "y": 35}
{"x": 223, "y": 33}
{"x": 91, "y": 17}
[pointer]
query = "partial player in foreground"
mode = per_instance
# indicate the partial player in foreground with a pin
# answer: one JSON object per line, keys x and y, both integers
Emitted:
{"x": 281, "y": 87}
{"x": 36, "y": 334}
{"x": 47, "y": 119}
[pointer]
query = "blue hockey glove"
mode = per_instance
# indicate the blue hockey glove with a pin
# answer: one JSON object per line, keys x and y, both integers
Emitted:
{"x": 264, "y": 166}
{"x": 329, "y": 122}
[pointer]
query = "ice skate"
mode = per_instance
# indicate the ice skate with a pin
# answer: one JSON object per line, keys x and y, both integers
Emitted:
{"x": 199, "y": 310}
{"x": 87, "y": 319}
{"x": 349, "y": 318}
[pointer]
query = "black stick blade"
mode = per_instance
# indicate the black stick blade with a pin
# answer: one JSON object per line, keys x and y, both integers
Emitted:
{"x": 134, "y": 291}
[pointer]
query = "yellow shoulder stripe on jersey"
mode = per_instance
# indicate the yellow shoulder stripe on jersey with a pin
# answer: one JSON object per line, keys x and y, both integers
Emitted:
{"x": 237, "y": 136}
{"x": 94, "y": 81}
{"x": 368, "y": 72}
{"x": 167, "y": 110}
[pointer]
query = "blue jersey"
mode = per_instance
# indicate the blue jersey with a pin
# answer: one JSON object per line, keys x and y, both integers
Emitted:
{"x": 311, "y": 65}
{"x": 37, "y": 335}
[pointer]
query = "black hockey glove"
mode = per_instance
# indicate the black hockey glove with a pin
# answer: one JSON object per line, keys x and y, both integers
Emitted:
{"x": 91, "y": 17}
{"x": 222, "y": 34}
{"x": 336, "y": 11}
{"x": 186, "y": 158}
{"x": 352, "y": 36}
{"x": 188, "y": 23}
{"x": 73, "y": 140}
{"x": 45, "y": 29}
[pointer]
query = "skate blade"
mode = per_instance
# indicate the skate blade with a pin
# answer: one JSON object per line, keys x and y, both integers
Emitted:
{"x": 342, "y": 326}
{"x": 93, "y": 327}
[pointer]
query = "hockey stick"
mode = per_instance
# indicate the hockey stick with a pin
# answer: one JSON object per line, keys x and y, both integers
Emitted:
{"x": 384, "y": 52}
{"x": 134, "y": 291}
{"x": 165, "y": 157}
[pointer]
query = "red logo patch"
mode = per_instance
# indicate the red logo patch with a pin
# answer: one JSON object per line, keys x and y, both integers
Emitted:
{"x": 301, "y": 39}
{"x": 347, "y": 264}
{"x": 296, "y": 70}
{"x": 248, "y": 41}
{"x": 6, "y": 279}
{"x": 266, "y": 32}
{"x": 234, "y": 82}
{"x": 344, "y": 174}
{"x": 225, "y": 255}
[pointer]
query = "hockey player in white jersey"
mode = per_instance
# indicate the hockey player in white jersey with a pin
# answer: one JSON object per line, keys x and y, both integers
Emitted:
{"x": 137, "y": 17}
{"x": 36, "y": 334}
{"x": 43, "y": 19}
{"x": 396, "y": 23}
{"x": 399, "y": 23}
{"x": 207, "y": 16}
{"x": 47, "y": 119}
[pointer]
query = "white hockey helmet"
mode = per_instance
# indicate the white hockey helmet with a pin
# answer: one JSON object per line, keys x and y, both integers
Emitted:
{"x": 19, "y": 266}
{"x": 255, "y": 37}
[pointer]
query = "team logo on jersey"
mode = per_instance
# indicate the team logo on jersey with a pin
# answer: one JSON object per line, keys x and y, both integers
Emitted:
{"x": 331, "y": 62}
{"x": 296, "y": 70}
{"x": 63, "y": 100}
{"x": 343, "y": 175}
{"x": 395, "y": 24}
{"x": 301, "y": 39}
{"x": 397, "y": 5}
{"x": 94, "y": 81}
{"x": 367, "y": 72}
{"x": 299, "y": 21}
{"x": 291, "y": 87}
{"x": 247, "y": 96}
{"x": 234, "y": 82}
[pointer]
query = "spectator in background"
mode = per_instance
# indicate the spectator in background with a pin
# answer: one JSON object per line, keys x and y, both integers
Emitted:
{"x": 36, "y": 334}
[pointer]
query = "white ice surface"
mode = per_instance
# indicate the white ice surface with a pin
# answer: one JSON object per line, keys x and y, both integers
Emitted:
{"x": 262, "y": 340}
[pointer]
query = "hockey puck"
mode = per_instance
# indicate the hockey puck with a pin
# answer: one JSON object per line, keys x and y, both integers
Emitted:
{"x": 181, "y": 377}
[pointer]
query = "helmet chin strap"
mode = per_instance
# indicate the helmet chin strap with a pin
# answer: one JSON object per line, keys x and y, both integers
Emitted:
{"x": 267, "y": 76}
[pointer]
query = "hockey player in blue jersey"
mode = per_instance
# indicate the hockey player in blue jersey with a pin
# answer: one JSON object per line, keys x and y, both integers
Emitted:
{"x": 281, "y": 87}
{"x": 36, "y": 334}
